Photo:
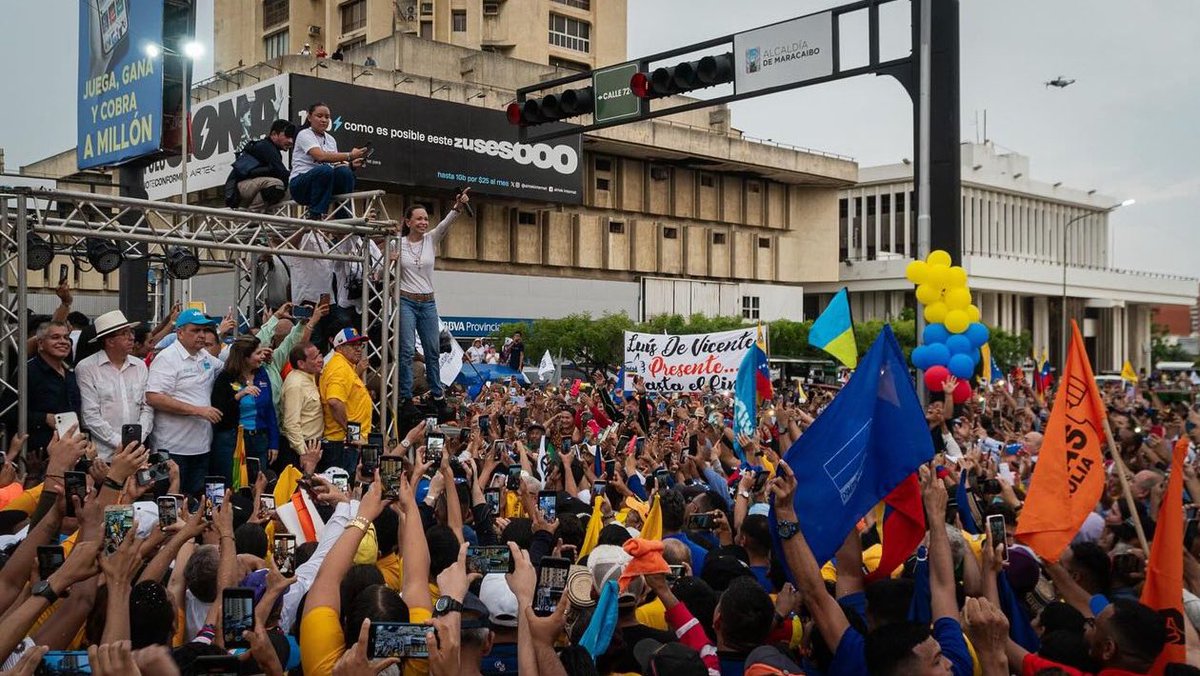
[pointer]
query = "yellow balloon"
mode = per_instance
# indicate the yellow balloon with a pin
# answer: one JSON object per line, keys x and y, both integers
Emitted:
{"x": 938, "y": 276}
{"x": 928, "y": 293}
{"x": 939, "y": 257}
{"x": 917, "y": 272}
{"x": 958, "y": 277}
{"x": 972, "y": 314}
{"x": 958, "y": 298}
{"x": 957, "y": 321}
{"x": 935, "y": 313}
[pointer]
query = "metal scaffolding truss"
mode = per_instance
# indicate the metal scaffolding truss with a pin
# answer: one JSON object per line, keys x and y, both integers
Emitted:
{"x": 224, "y": 238}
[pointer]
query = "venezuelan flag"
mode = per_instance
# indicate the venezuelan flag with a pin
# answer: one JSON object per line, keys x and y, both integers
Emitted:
{"x": 834, "y": 331}
{"x": 752, "y": 387}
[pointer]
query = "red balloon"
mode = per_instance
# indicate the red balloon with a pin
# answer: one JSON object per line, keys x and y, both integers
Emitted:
{"x": 935, "y": 376}
{"x": 962, "y": 392}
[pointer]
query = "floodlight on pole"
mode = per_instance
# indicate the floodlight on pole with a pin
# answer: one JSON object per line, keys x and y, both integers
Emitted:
{"x": 1063, "y": 300}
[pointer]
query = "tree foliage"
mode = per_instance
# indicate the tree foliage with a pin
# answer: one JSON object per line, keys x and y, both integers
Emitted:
{"x": 1010, "y": 349}
{"x": 1163, "y": 350}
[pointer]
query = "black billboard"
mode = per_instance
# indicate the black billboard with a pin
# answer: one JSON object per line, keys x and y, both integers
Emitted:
{"x": 427, "y": 142}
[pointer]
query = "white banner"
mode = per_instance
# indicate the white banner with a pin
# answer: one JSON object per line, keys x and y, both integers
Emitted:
{"x": 220, "y": 127}
{"x": 687, "y": 363}
{"x": 783, "y": 53}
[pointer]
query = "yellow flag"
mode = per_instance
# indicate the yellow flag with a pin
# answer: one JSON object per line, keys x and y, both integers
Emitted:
{"x": 595, "y": 525}
{"x": 652, "y": 529}
{"x": 1128, "y": 374}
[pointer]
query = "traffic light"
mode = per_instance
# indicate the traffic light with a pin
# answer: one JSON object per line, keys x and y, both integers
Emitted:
{"x": 689, "y": 75}
{"x": 552, "y": 107}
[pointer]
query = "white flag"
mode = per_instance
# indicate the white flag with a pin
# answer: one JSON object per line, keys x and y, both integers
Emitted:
{"x": 450, "y": 364}
{"x": 547, "y": 366}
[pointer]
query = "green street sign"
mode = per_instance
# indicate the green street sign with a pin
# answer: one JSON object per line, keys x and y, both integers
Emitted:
{"x": 610, "y": 90}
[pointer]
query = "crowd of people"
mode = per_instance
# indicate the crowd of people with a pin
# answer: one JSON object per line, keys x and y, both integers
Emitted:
{"x": 675, "y": 556}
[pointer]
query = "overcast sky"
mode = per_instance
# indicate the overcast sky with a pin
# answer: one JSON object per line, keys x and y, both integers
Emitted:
{"x": 1127, "y": 127}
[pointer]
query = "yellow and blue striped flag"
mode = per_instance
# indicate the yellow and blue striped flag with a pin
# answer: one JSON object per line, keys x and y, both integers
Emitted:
{"x": 834, "y": 331}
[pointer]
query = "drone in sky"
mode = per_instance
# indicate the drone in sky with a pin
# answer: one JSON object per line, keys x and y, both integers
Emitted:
{"x": 1060, "y": 82}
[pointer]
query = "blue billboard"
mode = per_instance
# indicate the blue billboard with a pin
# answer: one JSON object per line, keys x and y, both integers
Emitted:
{"x": 120, "y": 97}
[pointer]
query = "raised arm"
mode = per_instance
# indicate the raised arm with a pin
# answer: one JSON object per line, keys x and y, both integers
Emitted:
{"x": 942, "y": 600}
{"x": 830, "y": 618}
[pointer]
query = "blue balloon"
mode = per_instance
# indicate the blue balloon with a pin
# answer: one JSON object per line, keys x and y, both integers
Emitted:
{"x": 920, "y": 357}
{"x": 935, "y": 333}
{"x": 976, "y": 356}
{"x": 939, "y": 355}
{"x": 959, "y": 344}
{"x": 977, "y": 333}
{"x": 961, "y": 366}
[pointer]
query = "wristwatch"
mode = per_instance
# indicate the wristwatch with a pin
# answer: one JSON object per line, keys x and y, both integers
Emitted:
{"x": 445, "y": 605}
{"x": 744, "y": 494}
{"x": 44, "y": 590}
{"x": 405, "y": 444}
{"x": 787, "y": 529}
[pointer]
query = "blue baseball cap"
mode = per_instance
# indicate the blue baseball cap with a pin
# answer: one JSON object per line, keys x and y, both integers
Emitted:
{"x": 194, "y": 316}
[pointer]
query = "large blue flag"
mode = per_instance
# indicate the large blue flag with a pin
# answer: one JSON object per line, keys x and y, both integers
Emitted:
{"x": 752, "y": 386}
{"x": 869, "y": 439}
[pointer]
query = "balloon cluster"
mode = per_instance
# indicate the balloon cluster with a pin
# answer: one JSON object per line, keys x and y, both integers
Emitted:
{"x": 953, "y": 334}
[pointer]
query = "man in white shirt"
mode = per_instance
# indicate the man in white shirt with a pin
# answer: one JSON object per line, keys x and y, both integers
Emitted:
{"x": 112, "y": 385}
{"x": 179, "y": 389}
{"x": 350, "y": 278}
{"x": 312, "y": 278}
{"x": 476, "y": 352}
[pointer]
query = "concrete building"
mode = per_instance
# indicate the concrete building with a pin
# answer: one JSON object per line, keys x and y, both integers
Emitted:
{"x": 1013, "y": 234}
{"x": 575, "y": 34}
{"x": 678, "y": 215}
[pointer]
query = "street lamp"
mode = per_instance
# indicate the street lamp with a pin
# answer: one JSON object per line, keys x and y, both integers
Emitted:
{"x": 192, "y": 50}
{"x": 1063, "y": 308}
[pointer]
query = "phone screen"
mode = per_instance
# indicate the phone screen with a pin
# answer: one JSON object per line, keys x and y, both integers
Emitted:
{"x": 237, "y": 615}
{"x": 302, "y": 312}
{"x": 487, "y": 560}
{"x": 514, "y": 477}
{"x": 353, "y": 431}
{"x": 214, "y": 490}
{"x": 492, "y": 496}
{"x": 118, "y": 520}
{"x": 252, "y": 468}
{"x": 50, "y": 558}
{"x": 389, "y": 473}
{"x": 168, "y": 511}
{"x": 76, "y": 484}
{"x": 369, "y": 459}
{"x": 996, "y": 533}
{"x": 114, "y": 23}
{"x": 285, "y": 554}
{"x": 548, "y": 504}
{"x": 64, "y": 662}
{"x": 701, "y": 521}
{"x": 397, "y": 639}
{"x": 433, "y": 450}
{"x": 63, "y": 273}
{"x": 552, "y": 580}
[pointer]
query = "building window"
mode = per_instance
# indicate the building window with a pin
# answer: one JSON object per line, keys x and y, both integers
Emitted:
{"x": 570, "y": 33}
{"x": 670, "y": 233}
{"x": 354, "y": 16}
{"x": 753, "y": 186}
{"x": 707, "y": 180}
{"x": 764, "y": 242}
{"x": 276, "y": 44}
{"x": 616, "y": 227}
{"x": 526, "y": 218}
{"x": 426, "y": 8}
{"x": 660, "y": 173}
{"x": 568, "y": 64}
{"x": 491, "y": 8}
{"x": 718, "y": 238}
{"x": 602, "y": 184}
{"x": 427, "y": 30}
{"x": 750, "y": 307}
{"x": 458, "y": 21}
{"x": 581, "y": 4}
{"x": 603, "y": 164}
{"x": 275, "y": 12}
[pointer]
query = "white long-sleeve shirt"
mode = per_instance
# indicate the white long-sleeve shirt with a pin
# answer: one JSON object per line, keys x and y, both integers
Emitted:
{"x": 306, "y": 574}
{"x": 416, "y": 259}
{"x": 112, "y": 396}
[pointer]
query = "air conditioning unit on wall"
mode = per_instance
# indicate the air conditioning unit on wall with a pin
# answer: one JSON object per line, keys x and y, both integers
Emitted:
{"x": 314, "y": 31}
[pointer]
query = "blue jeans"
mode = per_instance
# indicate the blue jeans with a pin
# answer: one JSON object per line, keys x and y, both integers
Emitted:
{"x": 317, "y": 186}
{"x": 192, "y": 470}
{"x": 419, "y": 318}
{"x": 220, "y": 460}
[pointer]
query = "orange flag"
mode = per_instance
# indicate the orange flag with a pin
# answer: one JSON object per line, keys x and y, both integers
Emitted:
{"x": 1069, "y": 476}
{"x": 1164, "y": 573}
